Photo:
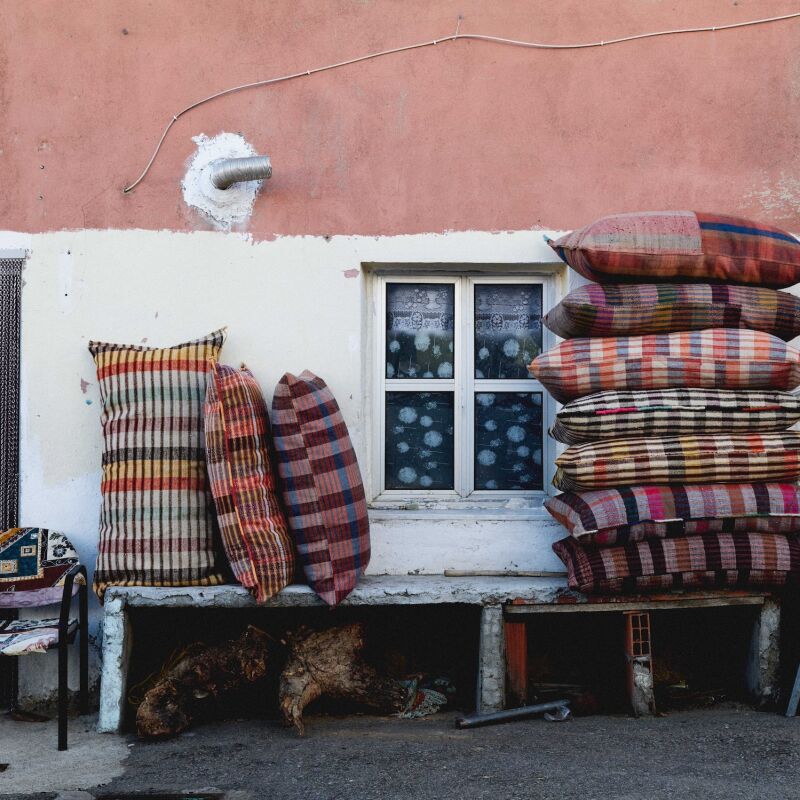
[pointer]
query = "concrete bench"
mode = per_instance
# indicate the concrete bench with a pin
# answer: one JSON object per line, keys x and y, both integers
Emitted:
{"x": 490, "y": 594}
{"x": 504, "y": 601}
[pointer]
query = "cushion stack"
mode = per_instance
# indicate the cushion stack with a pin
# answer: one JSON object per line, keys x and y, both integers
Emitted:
{"x": 675, "y": 373}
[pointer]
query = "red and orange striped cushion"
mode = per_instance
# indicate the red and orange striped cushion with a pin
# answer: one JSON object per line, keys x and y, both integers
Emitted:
{"x": 718, "y": 358}
{"x": 682, "y": 245}
{"x": 251, "y": 520}
{"x": 157, "y": 522}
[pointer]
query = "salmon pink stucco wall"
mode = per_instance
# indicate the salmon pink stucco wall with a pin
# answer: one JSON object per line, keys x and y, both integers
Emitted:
{"x": 459, "y": 136}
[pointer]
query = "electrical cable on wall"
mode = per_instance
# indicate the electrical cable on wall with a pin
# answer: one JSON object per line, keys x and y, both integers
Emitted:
{"x": 451, "y": 38}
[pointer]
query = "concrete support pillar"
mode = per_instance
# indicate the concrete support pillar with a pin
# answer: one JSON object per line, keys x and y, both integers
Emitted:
{"x": 763, "y": 659}
{"x": 491, "y": 661}
{"x": 117, "y": 644}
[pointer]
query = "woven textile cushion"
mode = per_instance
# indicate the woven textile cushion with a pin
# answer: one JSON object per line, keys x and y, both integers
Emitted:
{"x": 621, "y": 515}
{"x": 636, "y": 309}
{"x": 712, "y": 359}
{"x": 24, "y": 636}
{"x": 322, "y": 487}
{"x": 679, "y": 459}
{"x": 664, "y": 412}
{"x": 157, "y": 522}
{"x": 682, "y": 245}
{"x": 33, "y": 565}
{"x": 251, "y": 520}
{"x": 715, "y": 560}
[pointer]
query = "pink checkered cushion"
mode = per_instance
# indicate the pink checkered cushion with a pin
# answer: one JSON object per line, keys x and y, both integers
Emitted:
{"x": 322, "y": 488}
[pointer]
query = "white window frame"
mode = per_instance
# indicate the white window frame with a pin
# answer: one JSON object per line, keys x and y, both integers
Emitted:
{"x": 463, "y": 385}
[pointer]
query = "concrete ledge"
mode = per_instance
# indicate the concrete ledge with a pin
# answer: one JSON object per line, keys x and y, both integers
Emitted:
{"x": 372, "y": 590}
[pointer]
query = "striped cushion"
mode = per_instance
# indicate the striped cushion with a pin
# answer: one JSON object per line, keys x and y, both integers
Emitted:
{"x": 682, "y": 245}
{"x": 251, "y": 520}
{"x": 322, "y": 487}
{"x": 680, "y": 459}
{"x": 715, "y": 560}
{"x": 665, "y": 412}
{"x": 617, "y": 516}
{"x": 157, "y": 525}
{"x": 636, "y": 309}
{"x": 712, "y": 359}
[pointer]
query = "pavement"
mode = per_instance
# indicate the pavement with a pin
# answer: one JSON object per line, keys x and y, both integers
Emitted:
{"x": 728, "y": 752}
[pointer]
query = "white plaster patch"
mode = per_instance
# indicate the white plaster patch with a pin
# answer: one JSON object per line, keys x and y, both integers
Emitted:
{"x": 781, "y": 198}
{"x": 224, "y": 207}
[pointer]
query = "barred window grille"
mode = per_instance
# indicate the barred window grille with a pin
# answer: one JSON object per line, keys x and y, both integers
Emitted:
{"x": 10, "y": 297}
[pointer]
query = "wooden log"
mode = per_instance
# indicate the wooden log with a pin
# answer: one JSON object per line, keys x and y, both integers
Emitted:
{"x": 329, "y": 663}
{"x": 171, "y": 704}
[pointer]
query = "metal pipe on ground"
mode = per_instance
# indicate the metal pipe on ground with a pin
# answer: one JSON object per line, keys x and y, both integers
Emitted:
{"x": 511, "y": 714}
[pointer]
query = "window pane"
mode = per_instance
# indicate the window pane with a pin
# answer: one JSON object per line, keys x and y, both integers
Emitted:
{"x": 419, "y": 330}
{"x": 508, "y": 440}
{"x": 419, "y": 440}
{"x": 508, "y": 329}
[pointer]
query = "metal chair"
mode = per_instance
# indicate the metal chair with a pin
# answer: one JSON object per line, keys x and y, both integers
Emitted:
{"x": 38, "y": 568}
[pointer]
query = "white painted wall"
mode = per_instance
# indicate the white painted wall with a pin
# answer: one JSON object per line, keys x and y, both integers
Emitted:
{"x": 291, "y": 303}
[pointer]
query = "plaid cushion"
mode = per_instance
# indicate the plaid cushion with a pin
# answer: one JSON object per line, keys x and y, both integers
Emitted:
{"x": 681, "y": 245}
{"x": 157, "y": 525}
{"x": 21, "y": 637}
{"x": 621, "y": 415}
{"x": 712, "y": 561}
{"x": 251, "y": 520}
{"x": 617, "y": 516}
{"x": 711, "y": 359}
{"x": 680, "y": 459}
{"x": 322, "y": 487}
{"x": 641, "y": 308}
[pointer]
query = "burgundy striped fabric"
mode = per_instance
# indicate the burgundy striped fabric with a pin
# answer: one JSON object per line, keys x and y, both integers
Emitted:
{"x": 716, "y": 560}
{"x": 157, "y": 523}
{"x": 681, "y": 246}
{"x": 322, "y": 487}
{"x": 673, "y": 412}
{"x": 712, "y": 359}
{"x": 642, "y": 308}
{"x": 679, "y": 459}
{"x": 251, "y": 520}
{"x": 631, "y": 514}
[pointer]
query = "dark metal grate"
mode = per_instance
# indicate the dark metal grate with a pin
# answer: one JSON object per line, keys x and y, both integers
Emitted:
{"x": 10, "y": 301}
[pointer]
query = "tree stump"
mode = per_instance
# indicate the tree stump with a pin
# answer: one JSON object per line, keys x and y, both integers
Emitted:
{"x": 329, "y": 663}
{"x": 170, "y": 705}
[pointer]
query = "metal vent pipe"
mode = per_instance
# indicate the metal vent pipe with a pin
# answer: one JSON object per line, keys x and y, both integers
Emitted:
{"x": 228, "y": 171}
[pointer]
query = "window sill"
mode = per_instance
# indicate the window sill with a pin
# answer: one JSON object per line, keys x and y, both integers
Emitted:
{"x": 505, "y": 510}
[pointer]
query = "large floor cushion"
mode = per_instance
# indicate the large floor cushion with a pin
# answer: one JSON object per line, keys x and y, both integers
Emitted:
{"x": 713, "y": 359}
{"x": 322, "y": 487}
{"x": 631, "y": 514}
{"x": 24, "y": 636}
{"x": 642, "y": 308}
{"x": 157, "y": 522}
{"x": 678, "y": 460}
{"x": 673, "y": 412}
{"x": 716, "y": 560}
{"x": 681, "y": 245}
{"x": 251, "y": 519}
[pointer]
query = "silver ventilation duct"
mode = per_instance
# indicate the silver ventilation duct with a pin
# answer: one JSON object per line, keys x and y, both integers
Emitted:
{"x": 228, "y": 171}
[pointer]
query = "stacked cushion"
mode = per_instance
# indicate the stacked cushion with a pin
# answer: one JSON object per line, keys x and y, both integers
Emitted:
{"x": 715, "y": 560}
{"x": 679, "y": 460}
{"x": 157, "y": 522}
{"x": 630, "y": 514}
{"x": 638, "y": 309}
{"x": 252, "y": 523}
{"x": 322, "y": 487}
{"x": 681, "y": 471}
{"x": 716, "y": 359}
{"x": 682, "y": 245}
{"x": 664, "y": 412}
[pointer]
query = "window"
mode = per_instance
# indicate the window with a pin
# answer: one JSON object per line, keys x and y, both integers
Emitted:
{"x": 460, "y": 417}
